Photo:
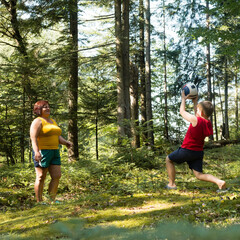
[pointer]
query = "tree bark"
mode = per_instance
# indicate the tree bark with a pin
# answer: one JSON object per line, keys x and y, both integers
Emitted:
{"x": 214, "y": 110}
{"x": 122, "y": 61}
{"x": 96, "y": 123}
{"x": 142, "y": 71}
{"x": 221, "y": 102}
{"x": 73, "y": 153}
{"x": 11, "y": 6}
{"x": 220, "y": 143}
{"x": 165, "y": 75}
{"x": 236, "y": 102}
{"x": 208, "y": 57}
{"x": 226, "y": 100}
{"x": 209, "y": 86}
{"x": 134, "y": 105}
{"x": 148, "y": 76}
{"x": 126, "y": 66}
{"x": 119, "y": 63}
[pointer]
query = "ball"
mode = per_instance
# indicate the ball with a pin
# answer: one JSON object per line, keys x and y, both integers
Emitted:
{"x": 190, "y": 90}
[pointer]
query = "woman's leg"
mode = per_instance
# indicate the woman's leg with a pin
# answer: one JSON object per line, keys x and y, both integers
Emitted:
{"x": 39, "y": 182}
{"x": 210, "y": 178}
{"x": 55, "y": 173}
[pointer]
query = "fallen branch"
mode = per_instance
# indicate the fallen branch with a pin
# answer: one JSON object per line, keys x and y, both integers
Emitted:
{"x": 220, "y": 143}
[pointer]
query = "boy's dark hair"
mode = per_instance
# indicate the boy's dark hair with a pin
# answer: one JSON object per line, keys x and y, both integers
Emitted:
{"x": 206, "y": 107}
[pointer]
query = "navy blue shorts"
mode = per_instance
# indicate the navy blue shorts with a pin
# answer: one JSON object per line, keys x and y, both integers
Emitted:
{"x": 194, "y": 159}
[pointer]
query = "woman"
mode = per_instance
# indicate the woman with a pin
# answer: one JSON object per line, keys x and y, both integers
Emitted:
{"x": 46, "y": 137}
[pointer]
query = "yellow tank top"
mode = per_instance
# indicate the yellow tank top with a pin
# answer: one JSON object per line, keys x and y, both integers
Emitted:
{"x": 48, "y": 136}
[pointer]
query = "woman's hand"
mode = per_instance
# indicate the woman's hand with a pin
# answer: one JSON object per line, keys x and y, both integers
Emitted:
{"x": 63, "y": 141}
{"x": 37, "y": 156}
{"x": 68, "y": 144}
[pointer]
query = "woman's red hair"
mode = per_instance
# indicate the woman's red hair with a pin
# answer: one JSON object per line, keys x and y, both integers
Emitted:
{"x": 37, "y": 109}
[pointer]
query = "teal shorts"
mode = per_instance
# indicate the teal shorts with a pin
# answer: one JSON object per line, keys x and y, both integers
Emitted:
{"x": 49, "y": 157}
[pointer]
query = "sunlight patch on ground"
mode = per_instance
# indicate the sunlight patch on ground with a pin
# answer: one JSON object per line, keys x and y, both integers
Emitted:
{"x": 149, "y": 208}
{"x": 134, "y": 216}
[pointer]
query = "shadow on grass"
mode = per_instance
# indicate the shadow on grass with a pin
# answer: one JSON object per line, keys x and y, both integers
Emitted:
{"x": 130, "y": 211}
{"x": 17, "y": 222}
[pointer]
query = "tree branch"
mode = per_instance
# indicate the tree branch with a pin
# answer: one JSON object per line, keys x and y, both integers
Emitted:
{"x": 5, "y": 3}
{"x": 7, "y": 33}
{"x": 98, "y": 18}
{"x": 97, "y": 46}
{"x": 6, "y": 43}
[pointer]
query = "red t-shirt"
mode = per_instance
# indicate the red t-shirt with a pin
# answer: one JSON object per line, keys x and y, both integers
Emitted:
{"x": 194, "y": 139}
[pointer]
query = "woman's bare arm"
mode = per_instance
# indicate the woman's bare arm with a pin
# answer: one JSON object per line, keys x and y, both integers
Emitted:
{"x": 34, "y": 132}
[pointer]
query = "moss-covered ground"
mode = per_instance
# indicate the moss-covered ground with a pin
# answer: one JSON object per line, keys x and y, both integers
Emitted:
{"x": 132, "y": 199}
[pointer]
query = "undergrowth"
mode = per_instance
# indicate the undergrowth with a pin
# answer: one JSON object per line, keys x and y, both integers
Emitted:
{"x": 117, "y": 191}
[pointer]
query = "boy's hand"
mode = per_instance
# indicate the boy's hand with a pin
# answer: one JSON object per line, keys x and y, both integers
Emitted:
{"x": 195, "y": 100}
{"x": 184, "y": 97}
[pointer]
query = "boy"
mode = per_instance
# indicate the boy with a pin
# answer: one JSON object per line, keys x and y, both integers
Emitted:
{"x": 191, "y": 150}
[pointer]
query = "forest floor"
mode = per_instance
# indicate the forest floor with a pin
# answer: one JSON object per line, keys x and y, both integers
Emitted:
{"x": 87, "y": 214}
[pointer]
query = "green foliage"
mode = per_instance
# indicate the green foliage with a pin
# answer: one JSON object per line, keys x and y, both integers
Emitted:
{"x": 121, "y": 174}
{"x": 41, "y": 67}
{"x": 16, "y": 186}
{"x": 74, "y": 229}
{"x": 142, "y": 157}
{"x": 107, "y": 193}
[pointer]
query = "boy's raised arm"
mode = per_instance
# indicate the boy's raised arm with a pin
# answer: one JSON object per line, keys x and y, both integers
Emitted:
{"x": 186, "y": 115}
{"x": 195, "y": 103}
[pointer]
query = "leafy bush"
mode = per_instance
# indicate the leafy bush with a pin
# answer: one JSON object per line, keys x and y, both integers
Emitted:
{"x": 16, "y": 183}
{"x": 141, "y": 157}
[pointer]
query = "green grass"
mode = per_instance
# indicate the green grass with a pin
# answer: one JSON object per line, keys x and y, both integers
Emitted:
{"x": 130, "y": 198}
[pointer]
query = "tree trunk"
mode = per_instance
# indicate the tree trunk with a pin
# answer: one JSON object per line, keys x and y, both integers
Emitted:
{"x": 142, "y": 72}
{"x": 122, "y": 61}
{"x": 11, "y": 6}
{"x": 148, "y": 76}
{"x": 236, "y": 102}
{"x": 165, "y": 75}
{"x": 7, "y": 144}
{"x": 214, "y": 109}
{"x": 96, "y": 122}
{"x": 9, "y": 155}
{"x": 134, "y": 105}
{"x": 209, "y": 87}
{"x": 22, "y": 139}
{"x": 119, "y": 62}
{"x": 126, "y": 66}
{"x": 226, "y": 100}
{"x": 208, "y": 57}
{"x": 73, "y": 153}
{"x": 97, "y": 136}
{"x": 23, "y": 51}
{"x": 221, "y": 101}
